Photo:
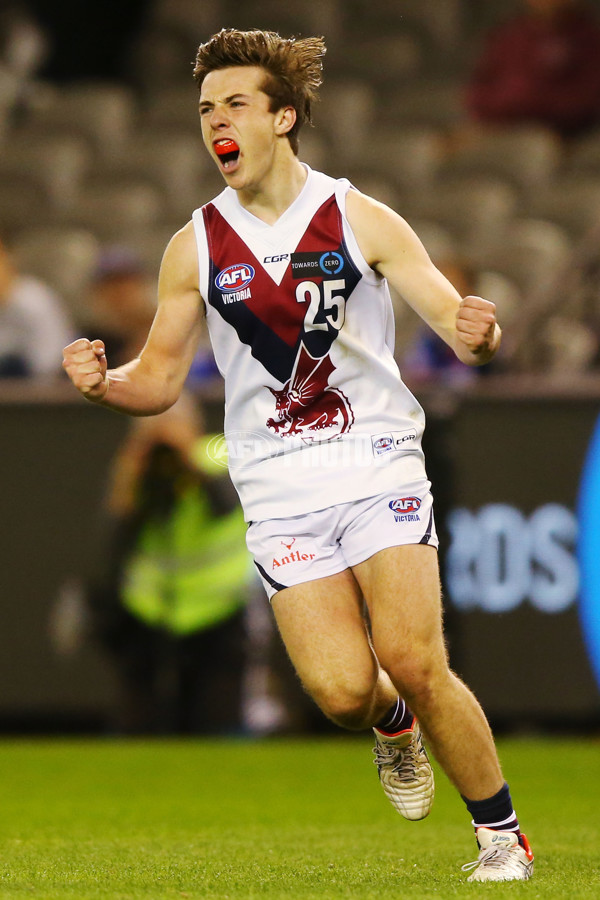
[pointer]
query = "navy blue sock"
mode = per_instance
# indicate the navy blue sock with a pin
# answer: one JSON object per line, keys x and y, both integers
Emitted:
{"x": 397, "y": 718}
{"x": 496, "y": 812}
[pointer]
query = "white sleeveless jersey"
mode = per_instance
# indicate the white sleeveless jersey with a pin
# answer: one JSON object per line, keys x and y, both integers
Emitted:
{"x": 316, "y": 413}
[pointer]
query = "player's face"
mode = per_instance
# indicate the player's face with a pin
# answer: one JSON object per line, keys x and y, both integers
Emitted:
{"x": 238, "y": 129}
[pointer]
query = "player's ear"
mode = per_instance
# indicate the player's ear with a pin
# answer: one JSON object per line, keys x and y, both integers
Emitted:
{"x": 285, "y": 120}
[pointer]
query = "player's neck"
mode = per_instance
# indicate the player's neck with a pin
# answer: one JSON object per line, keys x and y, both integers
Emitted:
{"x": 276, "y": 192}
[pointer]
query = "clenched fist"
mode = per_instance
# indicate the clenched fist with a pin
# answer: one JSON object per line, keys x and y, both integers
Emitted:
{"x": 85, "y": 363}
{"x": 476, "y": 326}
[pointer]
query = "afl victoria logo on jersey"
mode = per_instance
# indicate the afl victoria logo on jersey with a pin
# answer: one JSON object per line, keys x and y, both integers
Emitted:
{"x": 235, "y": 278}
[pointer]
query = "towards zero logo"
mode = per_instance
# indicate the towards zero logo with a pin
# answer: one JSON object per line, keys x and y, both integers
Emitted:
{"x": 331, "y": 262}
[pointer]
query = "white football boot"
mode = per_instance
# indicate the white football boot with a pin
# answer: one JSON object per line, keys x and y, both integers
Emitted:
{"x": 501, "y": 857}
{"x": 405, "y": 771}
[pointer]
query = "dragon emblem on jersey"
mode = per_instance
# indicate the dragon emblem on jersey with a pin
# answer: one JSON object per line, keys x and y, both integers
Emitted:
{"x": 307, "y": 405}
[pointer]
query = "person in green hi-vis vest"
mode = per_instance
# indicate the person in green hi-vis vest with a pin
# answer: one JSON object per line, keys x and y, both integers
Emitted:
{"x": 170, "y": 607}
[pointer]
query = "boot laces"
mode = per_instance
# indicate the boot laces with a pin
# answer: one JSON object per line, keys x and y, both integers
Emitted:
{"x": 405, "y": 761}
{"x": 493, "y": 858}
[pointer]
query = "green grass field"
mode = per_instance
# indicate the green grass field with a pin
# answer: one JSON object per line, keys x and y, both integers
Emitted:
{"x": 285, "y": 819}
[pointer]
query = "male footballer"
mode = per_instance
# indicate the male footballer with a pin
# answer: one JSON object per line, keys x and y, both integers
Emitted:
{"x": 290, "y": 269}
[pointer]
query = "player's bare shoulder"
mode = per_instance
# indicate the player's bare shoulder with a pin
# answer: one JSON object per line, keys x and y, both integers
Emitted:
{"x": 379, "y": 230}
{"x": 179, "y": 267}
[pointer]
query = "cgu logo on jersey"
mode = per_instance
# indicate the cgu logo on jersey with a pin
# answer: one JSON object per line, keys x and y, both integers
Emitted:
{"x": 393, "y": 440}
{"x": 233, "y": 282}
{"x": 279, "y": 257}
{"x": 405, "y": 509}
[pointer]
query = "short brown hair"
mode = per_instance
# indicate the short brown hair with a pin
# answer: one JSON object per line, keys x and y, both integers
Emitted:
{"x": 293, "y": 67}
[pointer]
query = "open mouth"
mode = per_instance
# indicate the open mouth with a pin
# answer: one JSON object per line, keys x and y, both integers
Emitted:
{"x": 227, "y": 151}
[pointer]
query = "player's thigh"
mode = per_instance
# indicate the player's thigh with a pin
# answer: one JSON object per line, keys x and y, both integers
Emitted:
{"x": 401, "y": 586}
{"x": 323, "y": 628}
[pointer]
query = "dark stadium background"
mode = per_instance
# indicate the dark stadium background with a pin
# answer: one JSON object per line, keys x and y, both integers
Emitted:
{"x": 515, "y": 440}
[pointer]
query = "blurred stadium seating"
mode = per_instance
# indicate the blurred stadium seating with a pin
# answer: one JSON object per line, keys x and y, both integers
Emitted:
{"x": 62, "y": 257}
{"x": 90, "y": 162}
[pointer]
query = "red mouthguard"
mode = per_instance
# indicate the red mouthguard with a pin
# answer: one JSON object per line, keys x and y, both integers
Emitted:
{"x": 226, "y": 147}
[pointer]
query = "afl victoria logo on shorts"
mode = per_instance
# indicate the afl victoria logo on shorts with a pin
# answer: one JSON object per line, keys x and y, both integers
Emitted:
{"x": 405, "y": 509}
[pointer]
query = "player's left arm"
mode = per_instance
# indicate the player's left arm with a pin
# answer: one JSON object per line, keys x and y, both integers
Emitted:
{"x": 390, "y": 246}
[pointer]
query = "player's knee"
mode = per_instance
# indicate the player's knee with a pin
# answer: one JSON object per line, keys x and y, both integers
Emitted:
{"x": 347, "y": 705}
{"x": 416, "y": 679}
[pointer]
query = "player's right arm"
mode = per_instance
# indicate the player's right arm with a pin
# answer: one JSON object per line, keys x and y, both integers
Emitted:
{"x": 152, "y": 382}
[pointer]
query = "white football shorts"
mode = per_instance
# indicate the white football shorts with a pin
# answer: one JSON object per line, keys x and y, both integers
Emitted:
{"x": 290, "y": 551}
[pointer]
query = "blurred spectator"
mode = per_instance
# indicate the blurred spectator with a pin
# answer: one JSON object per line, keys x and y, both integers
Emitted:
{"x": 23, "y": 44}
{"x": 123, "y": 307}
{"x": 204, "y": 369}
{"x": 34, "y": 326}
{"x": 541, "y": 67}
{"x": 122, "y": 303}
{"x": 170, "y": 608}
